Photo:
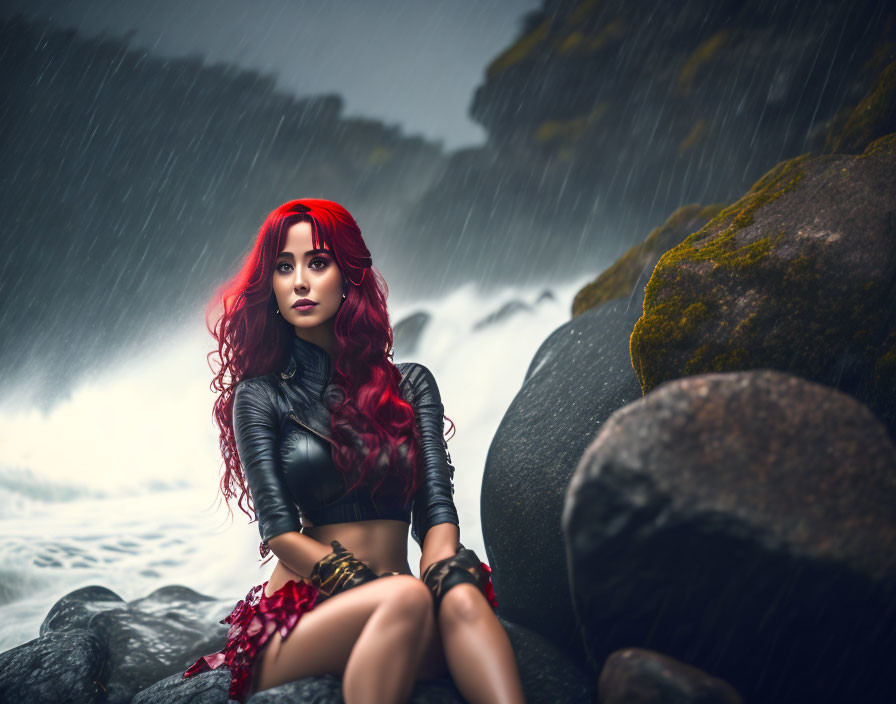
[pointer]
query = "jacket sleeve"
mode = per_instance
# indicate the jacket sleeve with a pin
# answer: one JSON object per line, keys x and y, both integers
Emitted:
{"x": 433, "y": 502}
{"x": 255, "y": 427}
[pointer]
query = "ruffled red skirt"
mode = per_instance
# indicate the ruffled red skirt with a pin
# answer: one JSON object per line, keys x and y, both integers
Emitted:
{"x": 252, "y": 622}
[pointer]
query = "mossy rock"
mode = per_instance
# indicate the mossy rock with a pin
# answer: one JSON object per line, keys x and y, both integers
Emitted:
{"x": 873, "y": 117}
{"x": 799, "y": 275}
{"x": 621, "y": 279}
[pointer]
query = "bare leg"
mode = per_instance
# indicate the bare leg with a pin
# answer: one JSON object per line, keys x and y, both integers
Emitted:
{"x": 384, "y": 620}
{"x": 383, "y": 664}
{"x": 477, "y": 649}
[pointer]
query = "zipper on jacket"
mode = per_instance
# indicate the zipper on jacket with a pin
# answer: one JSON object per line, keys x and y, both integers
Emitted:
{"x": 309, "y": 428}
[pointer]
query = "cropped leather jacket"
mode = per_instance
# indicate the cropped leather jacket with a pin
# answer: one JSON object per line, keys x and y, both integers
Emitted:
{"x": 282, "y": 430}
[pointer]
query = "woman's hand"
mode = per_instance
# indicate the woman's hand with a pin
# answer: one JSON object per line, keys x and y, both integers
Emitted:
{"x": 340, "y": 570}
{"x": 463, "y": 567}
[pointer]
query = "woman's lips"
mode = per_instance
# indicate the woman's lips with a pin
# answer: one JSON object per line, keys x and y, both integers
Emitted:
{"x": 307, "y": 306}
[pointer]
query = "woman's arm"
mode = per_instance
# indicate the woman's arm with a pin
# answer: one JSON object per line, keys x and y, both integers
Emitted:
{"x": 298, "y": 552}
{"x": 434, "y": 521}
{"x": 256, "y": 434}
{"x": 441, "y": 541}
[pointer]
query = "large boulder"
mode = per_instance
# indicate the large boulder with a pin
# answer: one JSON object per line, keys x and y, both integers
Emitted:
{"x": 64, "y": 666}
{"x": 131, "y": 644}
{"x": 578, "y": 377}
{"x": 798, "y": 275}
{"x": 872, "y": 118}
{"x": 547, "y": 674}
{"x": 636, "y": 676}
{"x": 629, "y": 274}
{"x": 744, "y": 524}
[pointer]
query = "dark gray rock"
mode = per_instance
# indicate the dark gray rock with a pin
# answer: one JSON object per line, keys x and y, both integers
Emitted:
{"x": 578, "y": 377}
{"x": 635, "y": 676}
{"x": 328, "y": 690}
{"x": 75, "y": 609}
{"x": 209, "y": 687}
{"x": 547, "y": 674}
{"x": 142, "y": 641}
{"x": 505, "y": 312}
{"x": 63, "y": 666}
{"x": 744, "y": 524}
{"x": 406, "y": 333}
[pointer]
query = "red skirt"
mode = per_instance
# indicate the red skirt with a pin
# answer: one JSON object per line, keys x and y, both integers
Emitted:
{"x": 252, "y": 622}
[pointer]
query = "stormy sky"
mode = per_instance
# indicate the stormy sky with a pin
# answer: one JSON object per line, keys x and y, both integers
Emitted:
{"x": 410, "y": 62}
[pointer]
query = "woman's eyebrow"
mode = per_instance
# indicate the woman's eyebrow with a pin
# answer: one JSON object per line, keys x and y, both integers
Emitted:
{"x": 307, "y": 254}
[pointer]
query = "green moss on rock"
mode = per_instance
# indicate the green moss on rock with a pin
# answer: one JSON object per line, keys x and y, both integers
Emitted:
{"x": 797, "y": 275}
{"x": 874, "y": 116}
{"x": 620, "y": 279}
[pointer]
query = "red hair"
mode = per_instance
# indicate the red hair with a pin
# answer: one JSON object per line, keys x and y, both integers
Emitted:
{"x": 373, "y": 427}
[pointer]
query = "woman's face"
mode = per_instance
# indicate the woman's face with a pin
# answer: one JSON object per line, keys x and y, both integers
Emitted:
{"x": 302, "y": 272}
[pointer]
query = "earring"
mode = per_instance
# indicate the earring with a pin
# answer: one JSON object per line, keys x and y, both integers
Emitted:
{"x": 278, "y": 312}
{"x": 343, "y": 295}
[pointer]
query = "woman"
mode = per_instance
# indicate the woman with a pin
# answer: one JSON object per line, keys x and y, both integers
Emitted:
{"x": 342, "y": 452}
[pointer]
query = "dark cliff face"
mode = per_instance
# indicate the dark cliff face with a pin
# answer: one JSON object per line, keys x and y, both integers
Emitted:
{"x": 604, "y": 117}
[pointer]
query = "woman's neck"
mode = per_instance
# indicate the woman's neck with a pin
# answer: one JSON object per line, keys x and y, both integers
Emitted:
{"x": 320, "y": 336}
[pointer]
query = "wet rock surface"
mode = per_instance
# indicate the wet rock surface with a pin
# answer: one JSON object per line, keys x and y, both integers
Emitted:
{"x": 636, "y": 676}
{"x": 62, "y": 666}
{"x": 629, "y": 274}
{"x": 577, "y": 378}
{"x": 742, "y": 523}
{"x": 798, "y": 275}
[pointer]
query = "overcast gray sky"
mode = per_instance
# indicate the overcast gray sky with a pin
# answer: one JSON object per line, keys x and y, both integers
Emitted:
{"x": 411, "y": 62}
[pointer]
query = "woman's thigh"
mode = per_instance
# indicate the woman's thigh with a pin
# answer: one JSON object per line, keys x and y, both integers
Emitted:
{"x": 433, "y": 664}
{"x": 322, "y": 640}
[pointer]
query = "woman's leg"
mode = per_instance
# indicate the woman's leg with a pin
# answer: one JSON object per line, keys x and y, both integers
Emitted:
{"x": 477, "y": 648}
{"x": 373, "y": 635}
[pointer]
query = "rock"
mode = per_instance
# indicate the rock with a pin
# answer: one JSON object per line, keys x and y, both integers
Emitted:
{"x": 547, "y": 674}
{"x": 141, "y": 642}
{"x": 628, "y": 276}
{"x": 744, "y": 524}
{"x": 578, "y": 377}
{"x": 60, "y": 666}
{"x": 328, "y": 690}
{"x": 798, "y": 275}
{"x": 209, "y": 687}
{"x": 406, "y": 333}
{"x": 602, "y": 120}
{"x": 874, "y": 117}
{"x": 635, "y": 676}
{"x": 506, "y": 311}
{"x": 75, "y": 609}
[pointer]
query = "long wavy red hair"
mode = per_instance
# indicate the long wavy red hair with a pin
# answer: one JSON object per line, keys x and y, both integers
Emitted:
{"x": 374, "y": 431}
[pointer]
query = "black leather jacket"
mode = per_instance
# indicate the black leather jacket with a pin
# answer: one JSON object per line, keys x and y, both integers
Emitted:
{"x": 282, "y": 430}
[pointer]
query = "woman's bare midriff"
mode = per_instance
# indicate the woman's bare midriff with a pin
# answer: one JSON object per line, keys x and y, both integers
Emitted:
{"x": 382, "y": 544}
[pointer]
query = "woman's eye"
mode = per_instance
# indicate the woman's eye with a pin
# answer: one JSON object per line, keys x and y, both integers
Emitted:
{"x": 281, "y": 265}
{"x": 318, "y": 260}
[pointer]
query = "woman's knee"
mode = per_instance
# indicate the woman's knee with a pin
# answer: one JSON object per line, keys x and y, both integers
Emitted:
{"x": 463, "y": 603}
{"x": 410, "y": 595}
